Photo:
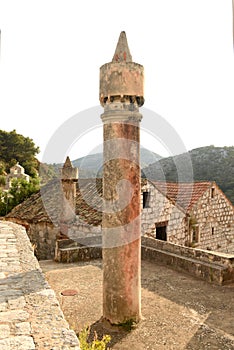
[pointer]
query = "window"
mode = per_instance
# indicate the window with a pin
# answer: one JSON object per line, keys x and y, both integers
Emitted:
{"x": 161, "y": 230}
{"x": 212, "y": 230}
{"x": 212, "y": 192}
{"x": 146, "y": 199}
{"x": 195, "y": 234}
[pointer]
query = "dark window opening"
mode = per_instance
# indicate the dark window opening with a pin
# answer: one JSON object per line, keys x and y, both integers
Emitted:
{"x": 212, "y": 230}
{"x": 212, "y": 192}
{"x": 195, "y": 234}
{"x": 161, "y": 231}
{"x": 146, "y": 199}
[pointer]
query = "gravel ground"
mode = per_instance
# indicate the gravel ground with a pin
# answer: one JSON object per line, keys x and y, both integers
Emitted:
{"x": 178, "y": 311}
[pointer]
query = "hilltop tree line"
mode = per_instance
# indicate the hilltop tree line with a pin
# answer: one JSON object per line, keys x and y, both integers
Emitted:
{"x": 15, "y": 148}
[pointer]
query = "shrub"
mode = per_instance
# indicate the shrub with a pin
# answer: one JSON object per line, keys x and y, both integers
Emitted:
{"x": 96, "y": 344}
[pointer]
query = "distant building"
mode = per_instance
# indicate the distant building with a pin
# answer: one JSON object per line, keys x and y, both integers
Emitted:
{"x": 16, "y": 172}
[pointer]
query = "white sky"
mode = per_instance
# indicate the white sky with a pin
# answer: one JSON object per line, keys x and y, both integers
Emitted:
{"x": 51, "y": 52}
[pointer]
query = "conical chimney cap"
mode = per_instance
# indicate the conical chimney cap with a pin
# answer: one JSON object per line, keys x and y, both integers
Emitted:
{"x": 122, "y": 52}
{"x": 67, "y": 163}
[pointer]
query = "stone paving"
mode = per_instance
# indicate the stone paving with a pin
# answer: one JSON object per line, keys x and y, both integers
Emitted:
{"x": 30, "y": 316}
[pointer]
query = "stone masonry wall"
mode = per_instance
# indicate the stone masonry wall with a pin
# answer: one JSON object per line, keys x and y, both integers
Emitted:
{"x": 213, "y": 267}
{"x": 30, "y": 316}
{"x": 190, "y": 253}
{"x": 79, "y": 230}
{"x": 162, "y": 210}
{"x": 43, "y": 238}
{"x": 214, "y": 216}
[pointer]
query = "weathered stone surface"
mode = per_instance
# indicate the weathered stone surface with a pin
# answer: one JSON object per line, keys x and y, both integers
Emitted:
{"x": 122, "y": 77}
{"x": 213, "y": 267}
{"x": 182, "y": 207}
{"x": 121, "y": 93}
{"x": 4, "y": 331}
{"x": 30, "y": 316}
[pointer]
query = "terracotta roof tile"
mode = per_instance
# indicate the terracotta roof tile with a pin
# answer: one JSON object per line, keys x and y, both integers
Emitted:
{"x": 185, "y": 195}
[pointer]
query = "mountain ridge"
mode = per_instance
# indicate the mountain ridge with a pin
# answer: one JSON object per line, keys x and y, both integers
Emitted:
{"x": 208, "y": 163}
{"x": 91, "y": 165}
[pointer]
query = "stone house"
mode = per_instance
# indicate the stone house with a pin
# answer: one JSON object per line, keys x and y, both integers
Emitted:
{"x": 189, "y": 214}
{"x": 49, "y": 215}
{"x": 16, "y": 172}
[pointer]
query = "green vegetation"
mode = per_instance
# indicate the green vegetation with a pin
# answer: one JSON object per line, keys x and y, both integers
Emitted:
{"x": 48, "y": 172}
{"x": 19, "y": 191}
{"x": 208, "y": 163}
{"x": 95, "y": 344}
{"x": 2, "y": 180}
{"x": 17, "y": 148}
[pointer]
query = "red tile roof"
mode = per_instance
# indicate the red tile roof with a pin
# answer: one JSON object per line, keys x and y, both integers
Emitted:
{"x": 185, "y": 195}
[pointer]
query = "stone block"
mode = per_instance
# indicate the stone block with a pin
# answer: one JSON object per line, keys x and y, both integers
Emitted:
{"x": 14, "y": 316}
{"x": 17, "y": 343}
{"x": 22, "y": 328}
{"x": 4, "y": 331}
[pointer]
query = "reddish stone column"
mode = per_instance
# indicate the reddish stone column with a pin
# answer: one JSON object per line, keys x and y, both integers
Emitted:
{"x": 121, "y": 94}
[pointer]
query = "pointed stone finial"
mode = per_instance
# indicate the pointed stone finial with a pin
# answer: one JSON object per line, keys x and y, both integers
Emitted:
{"x": 122, "y": 52}
{"x": 67, "y": 163}
{"x": 68, "y": 171}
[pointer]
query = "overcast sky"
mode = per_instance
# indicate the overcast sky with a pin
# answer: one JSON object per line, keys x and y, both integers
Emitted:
{"x": 51, "y": 52}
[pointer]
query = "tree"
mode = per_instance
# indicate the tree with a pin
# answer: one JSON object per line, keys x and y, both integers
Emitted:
{"x": 2, "y": 180}
{"x": 19, "y": 191}
{"x": 15, "y": 148}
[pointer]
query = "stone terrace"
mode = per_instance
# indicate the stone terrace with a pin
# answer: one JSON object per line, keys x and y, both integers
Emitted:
{"x": 30, "y": 316}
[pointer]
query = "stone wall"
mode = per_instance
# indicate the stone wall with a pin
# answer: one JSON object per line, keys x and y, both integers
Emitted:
{"x": 43, "y": 238}
{"x": 211, "y": 266}
{"x": 43, "y": 235}
{"x": 214, "y": 216}
{"x": 202, "y": 255}
{"x": 68, "y": 251}
{"x": 161, "y": 209}
{"x": 78, "y": 231}
{"x": 30, "y": 315}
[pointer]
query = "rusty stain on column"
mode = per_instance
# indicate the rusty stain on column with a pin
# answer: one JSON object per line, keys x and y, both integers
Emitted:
{"x": 121, "y": 95}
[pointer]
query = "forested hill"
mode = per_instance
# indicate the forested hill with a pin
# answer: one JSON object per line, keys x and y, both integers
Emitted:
{"x": 208, "y": 163}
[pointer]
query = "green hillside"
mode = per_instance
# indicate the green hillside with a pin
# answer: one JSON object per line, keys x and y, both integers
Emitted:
{"x": 208, "y": 163}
